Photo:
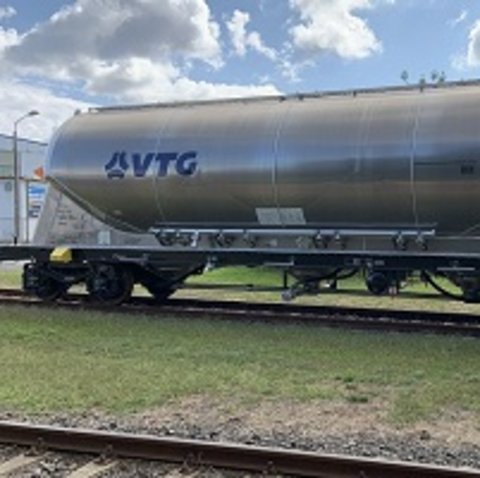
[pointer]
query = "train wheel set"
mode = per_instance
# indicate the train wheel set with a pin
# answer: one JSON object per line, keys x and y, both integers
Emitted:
{"x": 106, "y": 283}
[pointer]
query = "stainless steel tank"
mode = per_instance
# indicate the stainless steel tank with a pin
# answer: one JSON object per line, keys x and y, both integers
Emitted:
{"x": 381, "y": 159}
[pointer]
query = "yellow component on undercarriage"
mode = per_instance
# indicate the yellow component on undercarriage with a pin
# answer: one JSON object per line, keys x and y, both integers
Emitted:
{"x": 61, "y": 254}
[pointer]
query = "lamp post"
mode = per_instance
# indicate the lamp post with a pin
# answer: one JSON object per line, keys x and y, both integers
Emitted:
{"x": 16, "y": 176}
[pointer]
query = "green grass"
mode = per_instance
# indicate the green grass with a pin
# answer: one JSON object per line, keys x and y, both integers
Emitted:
{"x": 10, "y": 277}
{"x": 52, "y": 361}
{"x": 258, "y": 276}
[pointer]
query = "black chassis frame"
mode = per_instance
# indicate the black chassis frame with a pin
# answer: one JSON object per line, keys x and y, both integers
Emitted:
{"x": 82, "y": 256}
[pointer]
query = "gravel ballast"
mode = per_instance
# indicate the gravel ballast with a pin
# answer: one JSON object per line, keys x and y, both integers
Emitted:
{"x": 205, "y": 419}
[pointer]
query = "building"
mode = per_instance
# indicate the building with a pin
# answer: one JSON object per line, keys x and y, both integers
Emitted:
{"x": 31, "y": 155}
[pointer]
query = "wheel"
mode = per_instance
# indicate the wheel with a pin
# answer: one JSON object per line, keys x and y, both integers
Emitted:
{"x": 49, "y": 290}
{"x": 378, "y": 283}
{"x": 40, "y": 284}
{"x": 110, "y": 284}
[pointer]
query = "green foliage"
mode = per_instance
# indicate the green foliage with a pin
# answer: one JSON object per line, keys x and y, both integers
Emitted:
{"x": 436, "y": 77}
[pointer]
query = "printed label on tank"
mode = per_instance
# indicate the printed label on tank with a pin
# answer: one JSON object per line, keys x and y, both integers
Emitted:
{"x": 138, "y": 165}
{"x": 104, "y": 237}
{"x": 284, "y": 216}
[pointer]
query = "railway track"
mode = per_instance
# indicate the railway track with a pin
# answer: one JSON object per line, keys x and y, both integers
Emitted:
{"x": 114, "y": 447}
{"x": 347, "y": 317}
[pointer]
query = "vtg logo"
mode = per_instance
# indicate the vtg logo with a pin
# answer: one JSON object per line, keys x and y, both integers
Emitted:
{"x": 185, "y": 164}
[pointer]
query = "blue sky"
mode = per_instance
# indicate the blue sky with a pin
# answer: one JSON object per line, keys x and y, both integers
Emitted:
{"x": 57, "y": 56}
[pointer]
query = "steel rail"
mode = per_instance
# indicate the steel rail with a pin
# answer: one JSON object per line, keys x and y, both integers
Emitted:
{"x": 220, "y": 455}
{"x": 352, "y": 318}
{"x": 330, "y": 316}
{"x": 300, "y": 309}
{"x": 12, "y": 293}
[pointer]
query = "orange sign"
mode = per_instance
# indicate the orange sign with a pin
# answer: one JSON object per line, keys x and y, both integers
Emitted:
{"x": 39, "y": 173}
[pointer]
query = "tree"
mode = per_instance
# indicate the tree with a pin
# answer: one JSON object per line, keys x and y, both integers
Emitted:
{"x": 436, "y": 78}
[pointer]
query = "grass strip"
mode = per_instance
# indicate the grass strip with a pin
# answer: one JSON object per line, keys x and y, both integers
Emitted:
{"x": 56, "y": 361}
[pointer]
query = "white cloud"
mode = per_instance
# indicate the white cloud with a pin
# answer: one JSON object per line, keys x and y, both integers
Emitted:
{"x": 458, "y": 61}
{"x": 473, "y": 52}
{"x": 141, "y": 80}
{"x": 7, "y": 12}
{"x": 113, "y": 30}
{"x": 334, "y": 26}
{"x": 21, "y": 98}
{"x": 460, "y": 18}
{"x": 8, "y": 38}
{"x": 290, "y": 69}
{"x": 123, "y": 50}
{"x": 242, "y": 40}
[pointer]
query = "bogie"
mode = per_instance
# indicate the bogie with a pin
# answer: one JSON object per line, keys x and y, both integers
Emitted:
{"x": 38, "y": 282}
{"x": 110, "y": 284}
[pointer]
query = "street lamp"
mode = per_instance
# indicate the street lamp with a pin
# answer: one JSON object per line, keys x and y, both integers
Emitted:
{"x": 16, "y": 176}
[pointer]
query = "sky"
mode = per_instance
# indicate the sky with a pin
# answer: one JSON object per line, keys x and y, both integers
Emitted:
{"x": 60, "y": 56}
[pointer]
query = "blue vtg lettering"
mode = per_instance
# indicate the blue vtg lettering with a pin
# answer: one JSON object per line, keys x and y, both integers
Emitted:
{"x": 158, "y": 164}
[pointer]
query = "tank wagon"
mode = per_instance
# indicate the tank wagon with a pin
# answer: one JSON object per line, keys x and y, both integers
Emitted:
{"x": 321, "y": 185}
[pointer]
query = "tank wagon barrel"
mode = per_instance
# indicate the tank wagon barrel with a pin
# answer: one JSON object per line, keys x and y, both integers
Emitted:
{"x": 341, "y": 178}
